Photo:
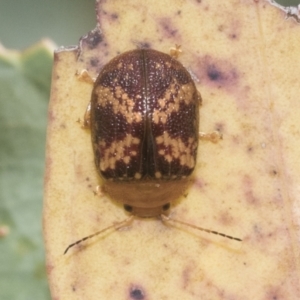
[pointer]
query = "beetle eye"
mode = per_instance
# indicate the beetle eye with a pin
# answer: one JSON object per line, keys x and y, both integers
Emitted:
{"x": 166, "y": 206}
{"x": 128, "y": 207}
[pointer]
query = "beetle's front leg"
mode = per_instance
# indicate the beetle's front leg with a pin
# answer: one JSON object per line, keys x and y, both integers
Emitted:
{"x": 213, "y": 137}
{"x": 86, "y": 77}
{"x": 87, "y": 117}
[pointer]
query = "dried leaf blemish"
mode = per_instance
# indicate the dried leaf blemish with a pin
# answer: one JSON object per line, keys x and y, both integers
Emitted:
{"x": 199, "y": 183}
{"x": 94, "y": 61}
{"x": 169, "y": 30}
{"x": 274, "y": 293}
{"x": 220, "y": 127}
{"x": 94, "y": 39}
{"x": 142, "y": 45}
{"x": 114, "y": 16}
{"x": 89, "y": 48}
{"x": 232, "y": 30}
{"x": 226, "y": 219}
{"x": 216, "y": 73}
{"x": 250, "y": 149}
{"x": 136, "y": 293}
{"x": 247, "y": 186}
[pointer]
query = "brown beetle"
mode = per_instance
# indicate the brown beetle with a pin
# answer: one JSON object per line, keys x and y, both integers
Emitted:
{"x": 144, "y": 123}
{"x": 144, "y": 120}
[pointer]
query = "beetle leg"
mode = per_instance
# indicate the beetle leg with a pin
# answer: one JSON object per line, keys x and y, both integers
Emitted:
{"x": 85, "y": 77}
{"x": 199, "y": 98}
{"x": 213, "y": 137}
{"x": 98, "y": 191}
{"x": 175, "y": 51}
{"x": 87, "y": 117}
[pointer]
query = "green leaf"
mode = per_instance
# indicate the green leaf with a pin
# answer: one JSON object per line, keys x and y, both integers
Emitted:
{"x": 25, "y": 85}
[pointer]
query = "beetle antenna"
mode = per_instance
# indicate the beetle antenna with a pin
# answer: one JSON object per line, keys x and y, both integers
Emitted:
{"x": 169, "y": 219}
{"x": 116, "y": 226}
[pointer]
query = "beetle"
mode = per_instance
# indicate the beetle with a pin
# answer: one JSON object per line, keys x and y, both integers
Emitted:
{"x": 144, "y": 121}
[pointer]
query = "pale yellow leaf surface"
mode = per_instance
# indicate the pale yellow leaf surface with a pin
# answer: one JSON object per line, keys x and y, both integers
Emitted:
{"x": 244, "y": 57}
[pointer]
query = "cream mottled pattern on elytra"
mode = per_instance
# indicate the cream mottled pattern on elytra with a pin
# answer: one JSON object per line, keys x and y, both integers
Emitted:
{"x": 120, "y": 101}
{"x": 179, "y": 150}
{"x": 170, "y": 102}
{"x": 116, "y": 152}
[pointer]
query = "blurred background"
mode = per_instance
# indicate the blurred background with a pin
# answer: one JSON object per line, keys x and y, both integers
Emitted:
{"x": 24, "y": 93}
{"x": 25, "y": 79}
{"x": 23, "y": 23}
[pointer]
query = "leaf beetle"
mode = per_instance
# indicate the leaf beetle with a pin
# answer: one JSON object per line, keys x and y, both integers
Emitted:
{"x": 144, "y": 121}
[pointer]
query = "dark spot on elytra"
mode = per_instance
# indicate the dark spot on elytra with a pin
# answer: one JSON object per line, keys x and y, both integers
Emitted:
{"x": 179, "y": 12}
{"x": 136, "y": 294}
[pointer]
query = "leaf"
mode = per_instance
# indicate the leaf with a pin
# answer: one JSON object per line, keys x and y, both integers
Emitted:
{"x": 244, "y": 57}
{"x": 24, "y": 85}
